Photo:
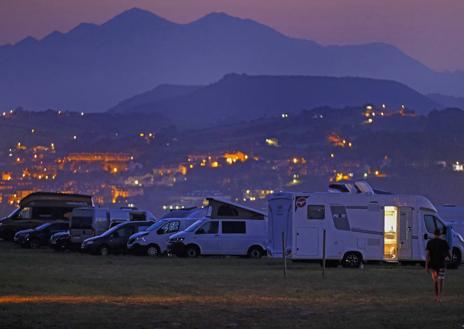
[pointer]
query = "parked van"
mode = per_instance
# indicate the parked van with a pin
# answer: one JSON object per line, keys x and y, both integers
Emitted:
{"x": 92, "y": 221}
{"x": 115, "y": 239}
{"x": 227, "y": 229}
{"x": 360, "y": 225}
{"x": 154, "y": 241}
{"x": 40, "y": 208}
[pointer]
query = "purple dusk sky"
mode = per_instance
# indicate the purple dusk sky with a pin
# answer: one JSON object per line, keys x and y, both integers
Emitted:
{"x": 429, "y": 30}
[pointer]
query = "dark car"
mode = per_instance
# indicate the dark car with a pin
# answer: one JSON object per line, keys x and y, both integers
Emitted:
{"x": 61, "y": 241}
{"x": 115, "y": 239}
{"x": 39, "y": 236}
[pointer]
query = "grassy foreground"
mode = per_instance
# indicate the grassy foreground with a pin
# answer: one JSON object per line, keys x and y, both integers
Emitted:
{"x": 44, "y": 289}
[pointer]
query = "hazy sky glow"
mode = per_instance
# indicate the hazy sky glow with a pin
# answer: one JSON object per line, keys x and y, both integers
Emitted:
{"x": 429, "y": 30}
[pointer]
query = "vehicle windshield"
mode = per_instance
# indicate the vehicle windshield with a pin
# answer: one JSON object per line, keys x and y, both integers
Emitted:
{"x": 14, "y": 213}
{"x": 195, "y": 225}
{"x": 157, "y": 225}
{"x": 43, "y": 226}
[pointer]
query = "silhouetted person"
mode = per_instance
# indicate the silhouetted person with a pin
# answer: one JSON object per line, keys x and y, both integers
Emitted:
{"x": 438, "y": 252}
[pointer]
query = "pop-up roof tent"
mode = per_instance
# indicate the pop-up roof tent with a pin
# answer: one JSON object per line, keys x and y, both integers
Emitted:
{"x": 52, "y": 199}
{"x": 224, "y": 209}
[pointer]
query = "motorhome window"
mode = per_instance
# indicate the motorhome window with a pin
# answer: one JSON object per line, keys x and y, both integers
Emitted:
{"x": 316, "y": 212}
{"x": 209, "y": 228}
{"x": 340, "y": 218}
{"x": 227, "y": 211}
{"x": 233, "y": 227}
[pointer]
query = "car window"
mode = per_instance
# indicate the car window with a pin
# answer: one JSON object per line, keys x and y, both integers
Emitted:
{"x": 174, "y": 226}
{"x": 125, "y": 231}
{"x": 209, "y": 228}
{"x": 233, "y": 227}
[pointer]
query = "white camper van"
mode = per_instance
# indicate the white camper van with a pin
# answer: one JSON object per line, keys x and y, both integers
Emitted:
{"x": 91, "y": 221}
{"x": 227, "y": 229}
{"x": 360, "y": 225}
{"x": 154, "y": 240}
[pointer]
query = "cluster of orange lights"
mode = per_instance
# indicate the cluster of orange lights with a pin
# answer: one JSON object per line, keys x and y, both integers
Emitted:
{"x": 338, "y": 141}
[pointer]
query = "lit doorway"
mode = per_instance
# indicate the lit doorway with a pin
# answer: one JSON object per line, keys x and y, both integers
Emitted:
{"x": 390, "y": 233}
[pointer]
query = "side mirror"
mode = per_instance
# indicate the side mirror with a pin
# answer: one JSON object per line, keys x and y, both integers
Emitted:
{"x": 200, "y": 231}
{"x": 115, "y": 235}
{"x": 444, "y": 230}
{"x": 160, "y": 231}
{"x": 426, "y": 236}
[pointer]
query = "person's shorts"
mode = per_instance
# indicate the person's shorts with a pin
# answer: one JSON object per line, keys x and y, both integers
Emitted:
{"x": 440, "y": 273}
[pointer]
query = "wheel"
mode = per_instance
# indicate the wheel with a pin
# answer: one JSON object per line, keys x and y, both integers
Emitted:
{"x": 455, "y": 259}
{"x": 352, "y": 260}
{"x": 104, "y": 251}
{"x": 192, "y": 252}
{"x": 255, "y": 252}
{"x": 34, "y": 244}
{"x": 153, "y": 250}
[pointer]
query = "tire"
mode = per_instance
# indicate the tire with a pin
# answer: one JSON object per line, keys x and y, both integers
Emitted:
{"x": 255, "y": 252}
{"x": 192, "y": 252}
{"x": 456, "y": 259}
{"x": 352, "y": 259}
{"x": 153, "y": 251}
{"x": 34, "y": 244}
{"x": 104, "y": 251}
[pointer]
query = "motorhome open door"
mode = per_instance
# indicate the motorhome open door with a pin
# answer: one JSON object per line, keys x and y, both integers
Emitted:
{"x": 405, "y": 219}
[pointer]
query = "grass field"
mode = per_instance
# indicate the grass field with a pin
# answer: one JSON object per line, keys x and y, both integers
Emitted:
{"x": 44, "y": 289}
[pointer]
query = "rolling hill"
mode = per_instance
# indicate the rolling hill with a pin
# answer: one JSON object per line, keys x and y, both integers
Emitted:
{"x": 243, "y": 97}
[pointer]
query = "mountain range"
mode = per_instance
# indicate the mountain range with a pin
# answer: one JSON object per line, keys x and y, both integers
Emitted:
{"x": 244, "y": 97}
{"x": 92, "y": 67}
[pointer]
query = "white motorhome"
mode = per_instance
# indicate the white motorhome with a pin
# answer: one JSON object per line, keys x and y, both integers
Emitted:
{"x": 91, "y": 221}
{"x": 360, "y": 226}
{"x": 227, "y": 229}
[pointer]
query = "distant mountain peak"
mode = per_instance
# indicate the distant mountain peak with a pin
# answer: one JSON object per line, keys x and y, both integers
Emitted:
{"x": 27, "y": 41}
{"x": 136, "y": 15}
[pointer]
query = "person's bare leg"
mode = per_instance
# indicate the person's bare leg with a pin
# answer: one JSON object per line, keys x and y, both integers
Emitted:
{"x": 442, "y": 283}
{"x": 435, "y": 285}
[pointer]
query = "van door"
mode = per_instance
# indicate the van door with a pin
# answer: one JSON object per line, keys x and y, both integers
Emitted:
{"x": 405, "y": 233}
{"x": 207, "y": 237}
{"x": 309, "y": 237}
{"x": 233, "y": 240}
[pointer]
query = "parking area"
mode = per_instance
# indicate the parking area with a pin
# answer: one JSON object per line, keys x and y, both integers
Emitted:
{"x": 45, "y": 289}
